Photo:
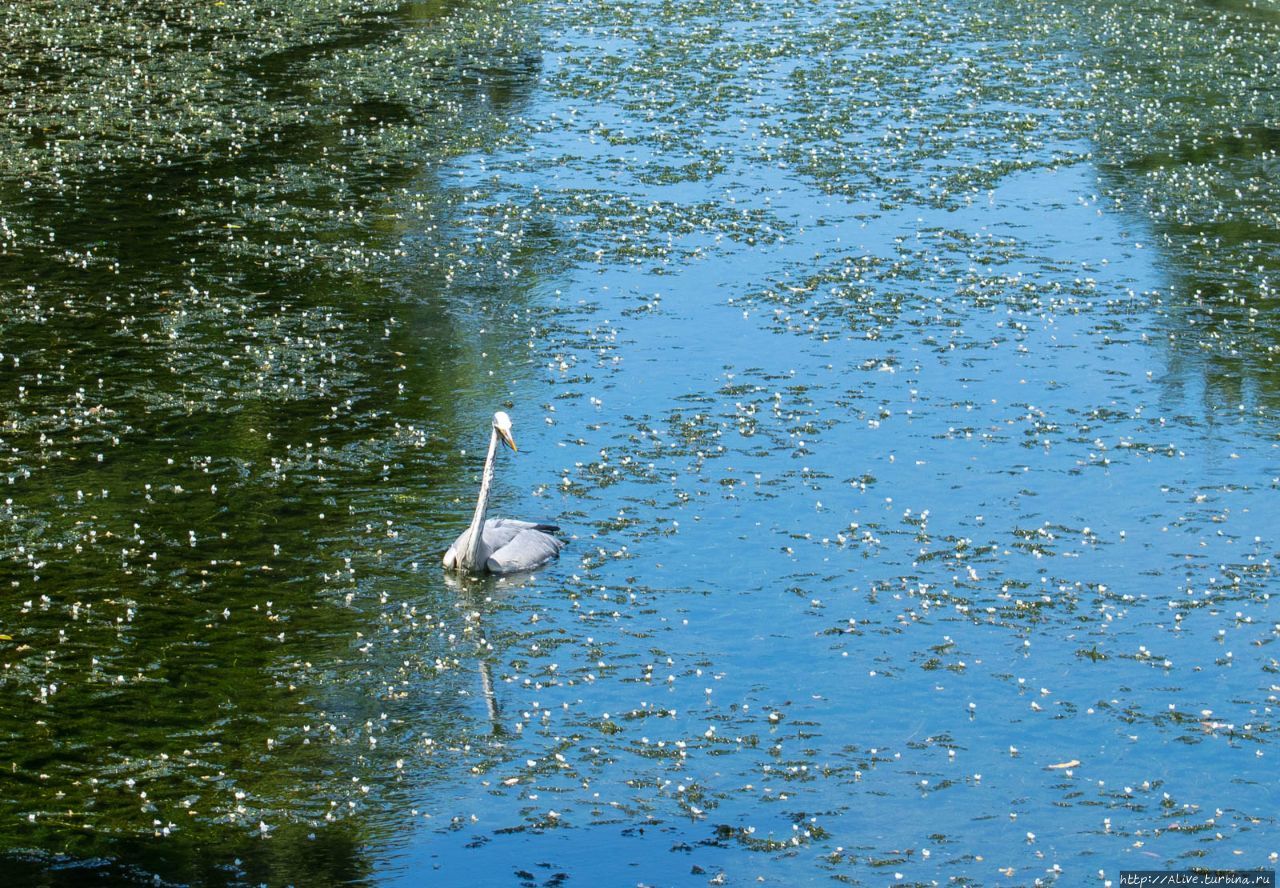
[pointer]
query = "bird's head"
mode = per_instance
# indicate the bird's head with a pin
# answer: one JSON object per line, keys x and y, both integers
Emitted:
{"x": 502, "y": 425}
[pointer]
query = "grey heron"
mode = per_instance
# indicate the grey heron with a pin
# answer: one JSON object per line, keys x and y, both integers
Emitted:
{"x": 501, "y": 545}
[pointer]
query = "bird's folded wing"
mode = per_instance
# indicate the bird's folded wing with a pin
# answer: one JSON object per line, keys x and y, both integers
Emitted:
{"x": 528, "y": 548}
{"x": 498, "y": 532}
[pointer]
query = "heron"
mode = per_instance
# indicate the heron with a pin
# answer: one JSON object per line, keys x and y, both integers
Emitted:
{"x": 501, "y": 545}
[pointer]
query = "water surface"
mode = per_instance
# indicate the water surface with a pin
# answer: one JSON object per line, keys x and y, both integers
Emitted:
{"x": 904, "y": 378}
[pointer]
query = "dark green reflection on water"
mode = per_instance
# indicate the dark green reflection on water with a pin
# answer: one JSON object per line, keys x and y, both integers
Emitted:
{"x": 1188, "y": 127}
{"x": 212, "y": 388}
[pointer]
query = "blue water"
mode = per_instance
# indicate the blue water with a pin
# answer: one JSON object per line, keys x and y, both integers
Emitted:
{"x": 1031, "y": 646}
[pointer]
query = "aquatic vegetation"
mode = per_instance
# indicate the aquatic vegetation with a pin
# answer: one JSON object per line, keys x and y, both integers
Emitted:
{"x": 903, "y": 375}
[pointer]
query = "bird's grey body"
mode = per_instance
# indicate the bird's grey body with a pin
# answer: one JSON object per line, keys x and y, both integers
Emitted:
{"x": 501, "y": 545}
{"x": 508, "y": 546}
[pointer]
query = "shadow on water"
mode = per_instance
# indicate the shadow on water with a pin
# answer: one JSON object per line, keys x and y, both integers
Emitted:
{"x": 218, "y": 389}
{"x": 333, "y": 857}
{"x": 1201, "y": 168}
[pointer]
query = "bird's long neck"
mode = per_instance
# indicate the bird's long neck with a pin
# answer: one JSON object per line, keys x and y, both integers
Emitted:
{"x": 475, "y": 538}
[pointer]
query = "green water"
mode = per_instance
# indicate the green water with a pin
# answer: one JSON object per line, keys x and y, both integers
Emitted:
{"x": 227, "y": 395}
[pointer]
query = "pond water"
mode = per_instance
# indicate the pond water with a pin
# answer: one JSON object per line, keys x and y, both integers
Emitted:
{"x": 904, "y": 378}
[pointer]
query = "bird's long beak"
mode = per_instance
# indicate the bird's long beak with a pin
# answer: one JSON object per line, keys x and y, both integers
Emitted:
{"x": 507, "y": 439}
